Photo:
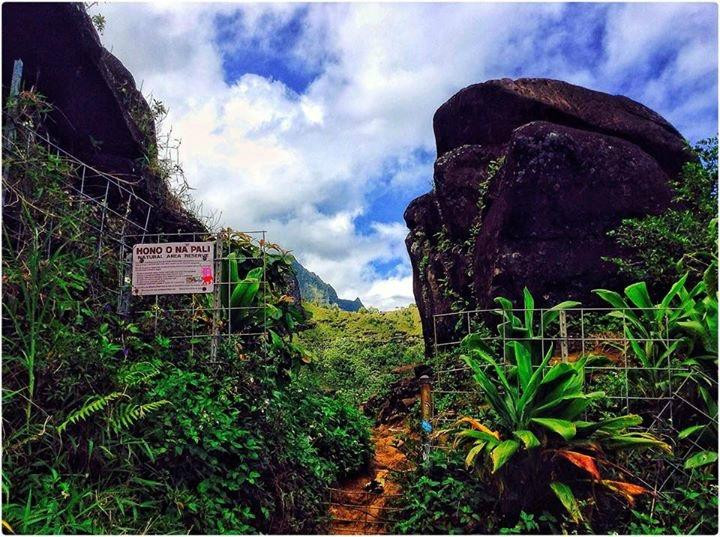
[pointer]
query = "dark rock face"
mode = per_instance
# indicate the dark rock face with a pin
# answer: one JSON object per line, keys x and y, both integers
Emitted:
{"x": 487, "y": 113}
{"x": 98, "y": 114}
{"x": 531, "y": 175}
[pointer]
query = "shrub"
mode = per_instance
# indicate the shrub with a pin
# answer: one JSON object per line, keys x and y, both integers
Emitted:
{"x": 660, "y": 248}
{"x": 542, "y": 443}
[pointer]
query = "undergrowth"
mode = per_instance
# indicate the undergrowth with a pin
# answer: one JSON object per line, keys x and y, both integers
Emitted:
{"x": 110, "y": 426}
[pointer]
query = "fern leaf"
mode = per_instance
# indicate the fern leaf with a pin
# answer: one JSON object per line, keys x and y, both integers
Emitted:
{"x": 92, "y": 405}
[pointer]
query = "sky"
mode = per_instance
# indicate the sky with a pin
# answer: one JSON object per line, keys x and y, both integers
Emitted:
{"x": 314, "y": 121}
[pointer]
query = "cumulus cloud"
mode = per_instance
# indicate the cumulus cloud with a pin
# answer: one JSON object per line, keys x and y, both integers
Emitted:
{"x": 305, "y": 160}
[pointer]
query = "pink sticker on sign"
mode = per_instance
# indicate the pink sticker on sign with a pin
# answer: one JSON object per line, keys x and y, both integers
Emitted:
{"x": 207, "y": 275}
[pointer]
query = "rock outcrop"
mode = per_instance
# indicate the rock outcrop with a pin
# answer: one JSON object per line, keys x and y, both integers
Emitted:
{"x": 98, "y": 114}
{"x": 530, "y": 176}
{"x": 314, "y": 289}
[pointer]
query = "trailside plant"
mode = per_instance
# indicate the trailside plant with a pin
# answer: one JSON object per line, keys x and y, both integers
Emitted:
{"x": 109, "y": 427}
{"x": 538, "y": 445}
{"x": 682, "y": 327}
{"x": 528, "y": 329}
{"x": 650, "y": 328}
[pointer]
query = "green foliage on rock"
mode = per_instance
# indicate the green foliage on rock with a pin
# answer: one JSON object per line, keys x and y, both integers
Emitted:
{"x": 663, "y": 247}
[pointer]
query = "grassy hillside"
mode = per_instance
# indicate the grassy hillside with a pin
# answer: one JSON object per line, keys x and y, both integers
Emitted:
{"x": 355, "y": 353}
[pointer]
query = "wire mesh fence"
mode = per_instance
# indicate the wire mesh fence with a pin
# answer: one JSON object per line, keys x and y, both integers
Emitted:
{"x": 113, "y": 195}
{"x": 208, "y": 317}
{"x": 660, "y": 391}
{"x": 109, "y": 214}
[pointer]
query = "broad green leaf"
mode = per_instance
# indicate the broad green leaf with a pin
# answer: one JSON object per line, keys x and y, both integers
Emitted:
{"x": 701, "y": 459}
{"x": 505, "y": 304}
{"x": 619, "y": 423}
{"x": 479, "y": 435}
{"x": 674, "y": 290}
{"x": 276, "y": 340}
{"x": 233, "y": 263}
{"x": 244, "y": 293}
{"x": 689, "y": 430}
{"x": 567, "y": 498}
{"x": 524, "y": 363}
{"x": 638, "y": 295}
{"x": 489, "y": 389}
{"x": 554, "y": 403}
{"x": 573, "y": 408}
{"x": 564, "y": 428}
{"x": 474, "y": 451}
{"x": 474, "y": 341}
{"x": 612, "y": 298}
{"x": 637, "y": 441}
{"x": 255, "y": 274}
{"x": 696, "y": 328}
{"x": 529, "y": 308}
{"x": 531, "y": 391}
{"x": 528, "y": 438}
{"x": 502, "y": 453}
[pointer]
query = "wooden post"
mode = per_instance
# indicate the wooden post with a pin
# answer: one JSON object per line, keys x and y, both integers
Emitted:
{"x": 426, "y": 414}
{"x": 216, "y": 301}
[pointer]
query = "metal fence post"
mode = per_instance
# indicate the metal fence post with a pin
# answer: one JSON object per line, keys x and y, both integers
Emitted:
{"x": 563, "y": 336}
{"x": 216, "y": 305}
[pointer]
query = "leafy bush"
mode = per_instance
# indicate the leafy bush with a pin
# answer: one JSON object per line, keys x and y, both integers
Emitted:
{"x": 659, "y": 249}
{"x": 686, "y": 510}
{"x": 108, "y": 428}
{"x": 442, "y": 498}
{"x": 538, "y": 412}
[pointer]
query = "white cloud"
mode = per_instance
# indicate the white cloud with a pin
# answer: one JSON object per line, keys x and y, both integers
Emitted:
{"x": 301, "y": 166}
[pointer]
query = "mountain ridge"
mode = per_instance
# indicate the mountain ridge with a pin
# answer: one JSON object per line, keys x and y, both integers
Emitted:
{"x": 314, "y": 289}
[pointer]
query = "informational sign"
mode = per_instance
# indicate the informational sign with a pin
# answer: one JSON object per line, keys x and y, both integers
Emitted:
{"x": 172, "y": 268}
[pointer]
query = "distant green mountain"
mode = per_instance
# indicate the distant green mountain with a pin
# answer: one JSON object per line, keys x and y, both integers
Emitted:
{"x": 314, "y": 289}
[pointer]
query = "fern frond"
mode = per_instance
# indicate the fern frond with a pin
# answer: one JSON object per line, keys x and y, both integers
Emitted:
{"x": 92, "y": 405}
{"x": 138, "y": 373}
{"x": 130, "y": 413}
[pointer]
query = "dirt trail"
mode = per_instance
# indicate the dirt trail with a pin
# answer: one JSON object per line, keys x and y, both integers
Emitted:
{"x": 355, "y": 507}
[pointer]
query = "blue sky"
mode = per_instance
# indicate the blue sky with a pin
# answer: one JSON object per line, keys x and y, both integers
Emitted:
{"x": 314, "y": 121}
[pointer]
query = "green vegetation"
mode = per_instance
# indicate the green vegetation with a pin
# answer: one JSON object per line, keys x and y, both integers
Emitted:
{"x": 538, "y": 411}
{"x": 542, "y": 450}
{"x": 355, "y": 353}
{"x": 109, "y": 425}
{"x": 682, "y": 239}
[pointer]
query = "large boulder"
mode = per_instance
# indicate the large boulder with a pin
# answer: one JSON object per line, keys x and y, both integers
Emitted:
{"x": 531, "y": 174}
{"x": 98, "y": 113}
{"x": 488, "y": 113}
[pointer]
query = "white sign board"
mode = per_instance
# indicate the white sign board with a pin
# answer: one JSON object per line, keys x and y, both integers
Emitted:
{"x": 172, "y": 268}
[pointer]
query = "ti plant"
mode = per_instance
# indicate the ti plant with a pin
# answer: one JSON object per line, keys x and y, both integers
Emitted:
{"x": 684, "y": 322}
{"x": 238, "y": 295}
{"x": 528, "y": 330}
{"x": 539, "y": 442}
{"x": 651, "y": 328}
{"x": 257, "y": 300}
